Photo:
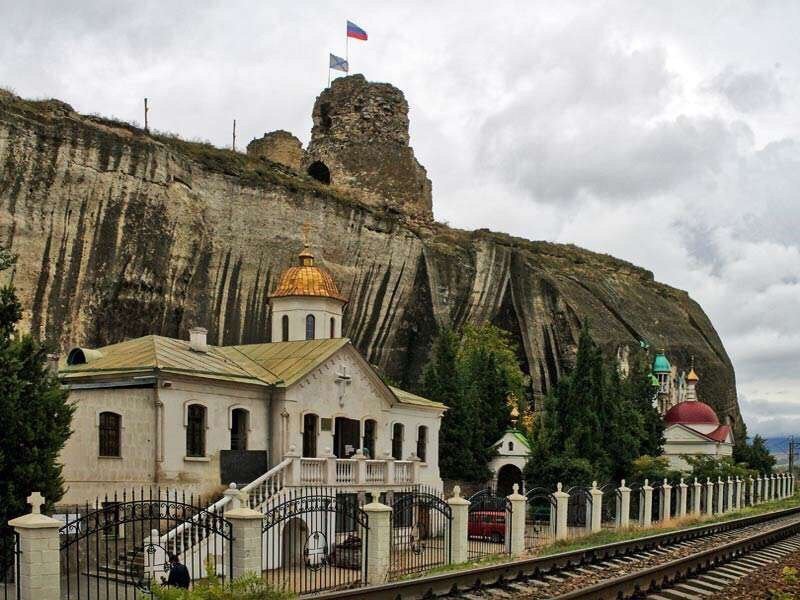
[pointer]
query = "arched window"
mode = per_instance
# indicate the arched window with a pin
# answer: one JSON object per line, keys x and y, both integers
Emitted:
{"x": 333, "y": 328}
{"x": 196, "y": 430}
{"x": 110, "y": 434}
{"x": 240, "y": 423}
{"x": 397, "y": 441}
{"x": 369, "y": 438}
{"x": 310, "y": 435}
{"x": 311, "y": 325}
{"x": 285, "y": 328}
{"x": 422, "y": 442}
{"x": 510, "y": 446}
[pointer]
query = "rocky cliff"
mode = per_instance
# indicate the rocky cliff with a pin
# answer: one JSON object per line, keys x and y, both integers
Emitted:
{"x": 121, "y": 233}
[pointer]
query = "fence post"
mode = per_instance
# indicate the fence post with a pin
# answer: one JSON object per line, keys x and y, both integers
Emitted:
{"x": 783, "y": 485}
{"x": 720, "y": 497}
{"x": 380, "y": 539}
{"x": 597, "y": 508}
{"x": 293, "y": 468}
{"x": 647, "y": 514}
{"x": 40, "y": 558}
{"x": 682, "y": 488}
{"x": 757, "y": 493}
{"x": 624, "y": 506}
{"x": 740, "y": 483}
{"x": 709, "y": 496}
{"x": 246, "y": 547}
{"x": 697, "y": 497}
{"x": 562, "y": 499}
{"x": 666, "y": 504}
{"x": 459, "y": 536}
{"x": 518, "y": 503}
{"x": 729, "y": 493}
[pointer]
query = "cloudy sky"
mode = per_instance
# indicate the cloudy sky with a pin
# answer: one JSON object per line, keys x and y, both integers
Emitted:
{"x": 667, "y": 135}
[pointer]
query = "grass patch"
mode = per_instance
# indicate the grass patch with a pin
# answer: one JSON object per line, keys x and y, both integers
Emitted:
{"x": 486, "y": 561}
{"x": 611, "y": 536}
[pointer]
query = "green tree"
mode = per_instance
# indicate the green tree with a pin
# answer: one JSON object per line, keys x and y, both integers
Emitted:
{"x": 460, "y": 449}
{"x": 31, "y": 399}
{"x": 639, "y": 389}
{"x": 755, "y": 455}
{"x": 708, "y": 466}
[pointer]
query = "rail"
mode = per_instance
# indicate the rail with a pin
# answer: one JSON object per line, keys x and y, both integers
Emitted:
{"x": 475, "y": 578}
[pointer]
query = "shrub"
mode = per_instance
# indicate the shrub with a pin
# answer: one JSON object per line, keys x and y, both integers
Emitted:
{"x": 247, "y": 587}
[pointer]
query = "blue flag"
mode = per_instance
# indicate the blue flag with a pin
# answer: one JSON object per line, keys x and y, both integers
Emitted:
{"x": 338, "y": 63}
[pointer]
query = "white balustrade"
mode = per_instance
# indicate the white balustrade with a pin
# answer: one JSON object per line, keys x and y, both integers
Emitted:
{"x": 376, "y": 471}
{"x": 403, "y": 471}
{"x": 345, "y": 471}
{"x": 312, "y": 470}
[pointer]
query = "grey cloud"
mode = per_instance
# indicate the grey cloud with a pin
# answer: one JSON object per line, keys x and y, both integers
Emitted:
{"x": 748, "y": 91}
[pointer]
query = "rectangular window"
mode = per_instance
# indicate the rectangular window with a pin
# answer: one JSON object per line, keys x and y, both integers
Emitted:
{"x": 196, "y": 430}
{"x": 110, "y": 425}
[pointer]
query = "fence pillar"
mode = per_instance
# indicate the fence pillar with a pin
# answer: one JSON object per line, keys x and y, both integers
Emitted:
{"x": 666, "y": 504}
{"x": 624, "y": 505}
{"x": 459, "y": 537}
{"x": 740, "y": 491}
{"x": 39, "y": 559}
{"x": 562, "y": 500}
{"x": 783, "y": 485}
{"x": 647, "y": 500}
{"x": 518, "y": 504}
{"x": 380, "y": 541}
{"x": 597, "y": 508}
{"x": 709, "y": 496}
{"x": 757, "y": 492}
{"x": 772, "y": 486}
{"x": 791, "y": 484}
{"x": 246, "y": 546}
{"x": 682, "y": 488}
{"x": 728, "y": 486}
{"x": 293, "y": 468}
{"x": 720, "y": 495}
{"x": 697, "y": 498}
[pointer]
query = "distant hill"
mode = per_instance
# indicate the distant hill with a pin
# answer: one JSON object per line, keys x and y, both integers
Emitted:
{"x": 779, "y": 448}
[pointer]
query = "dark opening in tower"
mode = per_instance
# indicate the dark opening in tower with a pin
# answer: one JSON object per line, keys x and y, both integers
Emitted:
{"x": 320, "y": 172}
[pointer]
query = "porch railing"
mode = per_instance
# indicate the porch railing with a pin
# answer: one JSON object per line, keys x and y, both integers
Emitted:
{"x": 358, "y": 470}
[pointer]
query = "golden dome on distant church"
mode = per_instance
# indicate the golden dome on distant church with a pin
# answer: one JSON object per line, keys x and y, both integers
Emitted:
{"x": 307, "y": 279}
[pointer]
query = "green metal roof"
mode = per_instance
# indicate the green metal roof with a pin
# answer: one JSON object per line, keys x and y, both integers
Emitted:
{"x": 661, "y": 364}
{"x": 272, "y": 364}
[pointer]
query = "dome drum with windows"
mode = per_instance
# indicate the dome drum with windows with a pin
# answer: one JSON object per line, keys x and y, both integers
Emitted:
{"x": 306, "y": 304}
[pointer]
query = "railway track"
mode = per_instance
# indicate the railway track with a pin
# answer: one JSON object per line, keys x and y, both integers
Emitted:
{"x": 620, "y": 569}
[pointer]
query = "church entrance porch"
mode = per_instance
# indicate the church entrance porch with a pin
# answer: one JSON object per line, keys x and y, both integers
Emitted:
{"x": 346, "y": 437}
{"x": 506, "y": 478}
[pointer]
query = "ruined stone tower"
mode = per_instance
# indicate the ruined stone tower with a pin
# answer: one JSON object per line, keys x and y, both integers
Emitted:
{"x": 360, "y": 142}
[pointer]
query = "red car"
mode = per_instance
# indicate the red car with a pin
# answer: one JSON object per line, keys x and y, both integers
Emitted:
{"x": 489, "y": 524}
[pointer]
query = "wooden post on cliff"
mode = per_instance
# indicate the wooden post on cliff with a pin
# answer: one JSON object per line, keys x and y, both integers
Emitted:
{"x": 146, "y": 127}
{"x": 233, "y": 145}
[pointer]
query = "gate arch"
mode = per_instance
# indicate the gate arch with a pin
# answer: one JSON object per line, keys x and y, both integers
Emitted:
{"x": 421, "y": 532}
{"x": 314, "y": 542}
{"x": 540, "y": 517}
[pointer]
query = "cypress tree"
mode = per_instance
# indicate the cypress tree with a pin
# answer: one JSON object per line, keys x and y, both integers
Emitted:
{"x": 35, "y": 412}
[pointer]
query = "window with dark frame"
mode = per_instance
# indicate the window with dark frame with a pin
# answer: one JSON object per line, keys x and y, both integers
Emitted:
{"x": 110, "y": 429}
{"x": 285, "y": 328}
{"x": 397, "y": 441}
{"x": 311, "y": 326}
{"x": 333, "y": 328}
{"x": 422, "y": 442}
{"x": 196, "y": 430}
{"x": 369, "y": 437}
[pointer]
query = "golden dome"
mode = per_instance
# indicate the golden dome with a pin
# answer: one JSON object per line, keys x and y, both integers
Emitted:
{"x": 692, "y": 376}
{"x": 307, "y": 280}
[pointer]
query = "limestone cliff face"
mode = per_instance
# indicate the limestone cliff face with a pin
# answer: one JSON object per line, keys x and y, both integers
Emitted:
{"x": 122, "y": 234}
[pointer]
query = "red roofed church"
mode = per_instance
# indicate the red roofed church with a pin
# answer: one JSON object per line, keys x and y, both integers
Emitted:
{"x": 692, "y": 428}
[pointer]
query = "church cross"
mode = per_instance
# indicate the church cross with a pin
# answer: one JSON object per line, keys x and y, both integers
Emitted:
{"x": 343, "y": 380}
{"x": 36, "y": 500}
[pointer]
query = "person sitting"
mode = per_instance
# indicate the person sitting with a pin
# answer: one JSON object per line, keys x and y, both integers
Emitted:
{"x": 178, "y": 573}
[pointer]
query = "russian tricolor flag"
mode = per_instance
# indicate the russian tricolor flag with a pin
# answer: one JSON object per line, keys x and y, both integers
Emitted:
{"x": 354, "y": 31}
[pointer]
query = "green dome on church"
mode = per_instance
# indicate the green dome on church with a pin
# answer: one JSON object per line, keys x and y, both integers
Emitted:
{"x": 661, "y": 364}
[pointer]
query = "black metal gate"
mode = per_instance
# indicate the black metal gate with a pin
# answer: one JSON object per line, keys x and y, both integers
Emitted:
{"x": 611, "y": 506}
{"x": 9, "y": 564}
{"x": 540, "y": 517}
{"x": 579, "y": 511}
{"x": 119, "y": 547}
{"x": 315, "y": 540}
{"x": 421, "y": 532}
{"x": 489, "y": 524}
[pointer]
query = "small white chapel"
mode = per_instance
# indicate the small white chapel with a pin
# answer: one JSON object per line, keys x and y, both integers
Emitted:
{"x": 182, "y": 414}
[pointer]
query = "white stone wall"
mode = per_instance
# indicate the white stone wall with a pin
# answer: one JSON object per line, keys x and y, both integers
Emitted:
{"x": 88, "y": 475}
{"x": 365, "y": 398}
{"x": 297, "y": 308}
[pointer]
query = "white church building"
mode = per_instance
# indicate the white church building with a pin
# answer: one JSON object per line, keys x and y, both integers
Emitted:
{"x": 182, "y": 414}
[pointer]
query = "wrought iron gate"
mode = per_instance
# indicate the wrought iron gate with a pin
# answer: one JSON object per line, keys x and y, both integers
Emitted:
{"x": 488, "y": 524}
{"x": 315, "y": 540}
{"x": 611, "y": 506}
{"x": 119, "y": 547}
{"x": 9, "y": 564}
{"x": 421, "y": 532}
{"x": 540, "y": 517}
{"x": 579, "y": 510}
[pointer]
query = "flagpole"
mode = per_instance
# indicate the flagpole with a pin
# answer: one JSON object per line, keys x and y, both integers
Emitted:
{"x": 347, "y": 50}
{"x": 329, "y": 73}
